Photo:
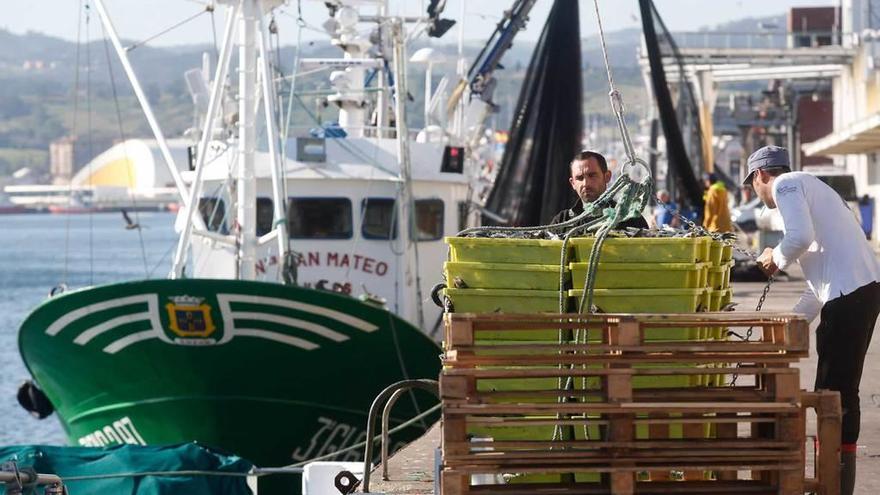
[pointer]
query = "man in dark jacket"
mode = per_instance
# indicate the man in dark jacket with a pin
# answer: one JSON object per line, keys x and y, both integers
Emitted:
{"x": 589, "y": 179}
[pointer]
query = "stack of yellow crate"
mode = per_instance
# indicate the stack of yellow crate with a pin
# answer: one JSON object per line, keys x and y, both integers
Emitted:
{"x": 635, "y": 275}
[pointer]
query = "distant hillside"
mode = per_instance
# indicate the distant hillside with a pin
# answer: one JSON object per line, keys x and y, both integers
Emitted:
{"x": 38, "y": 74}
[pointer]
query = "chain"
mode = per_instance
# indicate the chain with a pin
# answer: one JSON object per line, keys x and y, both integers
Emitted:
{"x": 677, "y": 213}
{"x": 721, "y": 238}
{"x": 748, "y": 336}
{"x": 699, "y": 229}
{"x": 757, "y": 308}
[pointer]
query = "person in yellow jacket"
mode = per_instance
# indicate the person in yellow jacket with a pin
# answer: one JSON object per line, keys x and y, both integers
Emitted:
{"x": 716, "y": 213}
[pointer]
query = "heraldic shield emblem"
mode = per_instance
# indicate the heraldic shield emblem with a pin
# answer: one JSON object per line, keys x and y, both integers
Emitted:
{"x": 190, "y": 318}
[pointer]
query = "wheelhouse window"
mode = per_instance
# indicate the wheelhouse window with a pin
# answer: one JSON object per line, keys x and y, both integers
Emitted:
{"x": 379, "y": 219}
{"x": 429, "y": 219}
{"x": 265, "y": 214}
{"x": 319, "y": 218}
{"x": 213, "y": 212}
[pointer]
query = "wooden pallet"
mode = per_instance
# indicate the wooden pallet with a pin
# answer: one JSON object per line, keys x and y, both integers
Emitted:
{"x": 758, "y": 426}
{"x": 632, "y": 333}
{"x": 739, "y": 465}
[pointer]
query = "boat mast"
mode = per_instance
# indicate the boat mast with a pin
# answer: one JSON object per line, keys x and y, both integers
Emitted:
{"x": 382, "y": 82}
{"x": 407, "y": 199}
{"x": 145, "y": 104}
{"x": 246, "y": 187}
{"x": 215, "y": 102}
{"x": 279, "y": 222}
{"x": 253, "y": 44}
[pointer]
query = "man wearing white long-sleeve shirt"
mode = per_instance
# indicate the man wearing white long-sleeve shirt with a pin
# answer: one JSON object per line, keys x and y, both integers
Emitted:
{"x": 842, "y": 272}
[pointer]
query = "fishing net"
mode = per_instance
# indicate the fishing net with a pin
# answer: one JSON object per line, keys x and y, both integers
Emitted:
{"x": 532, "y": 183}
{"x": 678, "y": 108}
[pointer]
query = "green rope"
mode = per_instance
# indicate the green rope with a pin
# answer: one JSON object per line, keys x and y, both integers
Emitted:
{"x": 563, "y": 262}
{"x": 611, "y": 218}
{"x": 590, "y": 210}
{"x": 633, "y": 201}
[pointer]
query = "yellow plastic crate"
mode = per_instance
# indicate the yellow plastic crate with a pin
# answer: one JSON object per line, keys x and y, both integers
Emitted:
{"x": 652, "y": 301}
{"x": 538, "y": 433}
{"x": 529, "y": 251}
{"x": 519, "y": 433}
{"x": 526, "y": 385}
{"x": 719, "y": 276}
{"x": 502, "y": 275}
{"x": 715, "y": 299}
{"x": 726, "y": 253}
{"x": 726, "y": 297}
{"x": 646, "y": 300}
{"x": 716, "y": 251}
{"x": 642, "y": 275}
{"x": 503, "y": 300}
{"x": 644, "y": 249}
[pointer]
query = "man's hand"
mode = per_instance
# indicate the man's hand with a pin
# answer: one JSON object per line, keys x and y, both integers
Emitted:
{"x": 766, "y": 264}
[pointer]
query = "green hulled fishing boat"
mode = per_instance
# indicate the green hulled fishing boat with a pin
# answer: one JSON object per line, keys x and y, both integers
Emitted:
{"x": 267, "y": 371}
{"x": 295, "y": 294}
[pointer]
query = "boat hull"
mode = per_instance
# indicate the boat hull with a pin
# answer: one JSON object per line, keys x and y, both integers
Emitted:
{"x": 273, "y": 373}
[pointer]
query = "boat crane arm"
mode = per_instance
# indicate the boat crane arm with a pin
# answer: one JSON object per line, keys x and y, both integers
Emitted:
{"x": 480, "y": 76}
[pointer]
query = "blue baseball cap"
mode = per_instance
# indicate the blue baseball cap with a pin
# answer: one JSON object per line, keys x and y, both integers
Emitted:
{"x": 767, "y": 157}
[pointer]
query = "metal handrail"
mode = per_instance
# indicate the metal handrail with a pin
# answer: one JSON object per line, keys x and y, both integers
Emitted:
{"x": 15, "y": 480}
{"x": 29, "y": 478}
{"x": 758, "y": 39}
{"x": 386, "y": 415}
{"x": 427, "y": 385}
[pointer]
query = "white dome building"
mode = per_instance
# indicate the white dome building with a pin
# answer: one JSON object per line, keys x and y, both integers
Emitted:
{"x": 134, "y": 164}
{"x": 131, "y": 174}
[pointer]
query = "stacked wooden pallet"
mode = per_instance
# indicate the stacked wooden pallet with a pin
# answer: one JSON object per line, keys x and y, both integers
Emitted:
{"x": 575, "y": 419}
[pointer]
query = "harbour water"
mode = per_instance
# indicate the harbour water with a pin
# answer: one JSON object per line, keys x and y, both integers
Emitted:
{"x": 39, "y": 252}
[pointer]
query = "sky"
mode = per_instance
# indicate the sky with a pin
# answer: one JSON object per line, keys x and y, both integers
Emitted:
{"x": 139, "y": 20}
